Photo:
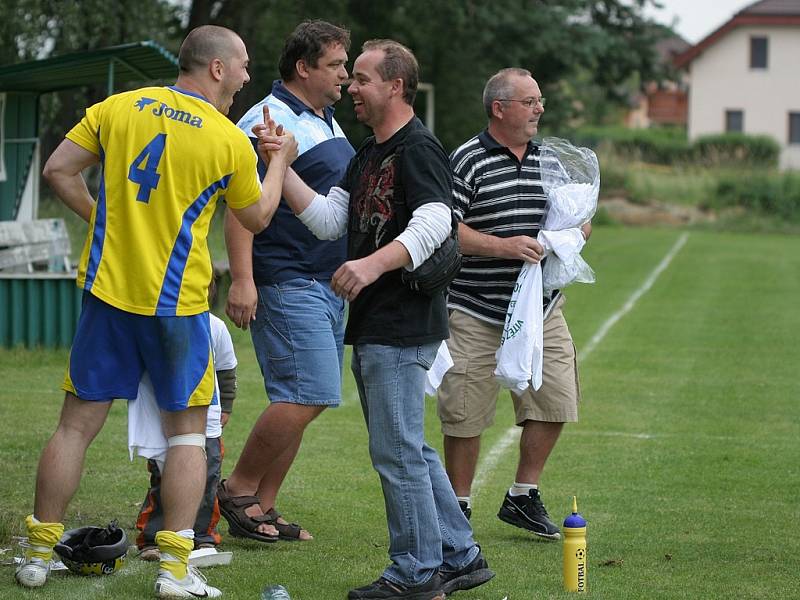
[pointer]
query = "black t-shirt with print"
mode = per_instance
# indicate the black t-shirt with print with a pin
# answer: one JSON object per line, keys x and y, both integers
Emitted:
{"x": 409, "y": 168}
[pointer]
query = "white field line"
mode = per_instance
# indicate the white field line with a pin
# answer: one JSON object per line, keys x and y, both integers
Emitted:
{"x": 489, "y": 462}
{"x": 732, "y": 439}
{"x": 634, "y": 297}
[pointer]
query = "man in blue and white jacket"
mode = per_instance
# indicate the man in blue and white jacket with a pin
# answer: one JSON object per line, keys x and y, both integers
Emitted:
{"x": 280, "y": 285}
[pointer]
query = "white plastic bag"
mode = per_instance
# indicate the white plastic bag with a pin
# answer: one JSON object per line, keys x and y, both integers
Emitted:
{"x": 571, "y": 178}
{"x": 522, "y": 338}
{"x": 564, "y": 265}
{"x": 441, "y": 365}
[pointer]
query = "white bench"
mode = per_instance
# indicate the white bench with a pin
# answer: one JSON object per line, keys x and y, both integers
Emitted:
{"x": 33, "y": 246}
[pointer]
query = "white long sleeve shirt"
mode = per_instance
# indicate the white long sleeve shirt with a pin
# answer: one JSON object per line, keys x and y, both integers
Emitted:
{"x": 429, "y": 226}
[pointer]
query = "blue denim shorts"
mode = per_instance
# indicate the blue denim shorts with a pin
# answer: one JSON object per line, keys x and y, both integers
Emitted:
{"x": 298, "y": 336}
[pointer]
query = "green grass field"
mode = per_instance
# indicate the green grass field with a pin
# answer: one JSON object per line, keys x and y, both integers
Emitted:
{"x": 685, "y": 461}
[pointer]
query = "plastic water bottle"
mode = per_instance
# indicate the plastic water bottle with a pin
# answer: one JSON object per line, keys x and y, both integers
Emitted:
{"x": 275, "y": 592}
{"x": 575, "y": 556}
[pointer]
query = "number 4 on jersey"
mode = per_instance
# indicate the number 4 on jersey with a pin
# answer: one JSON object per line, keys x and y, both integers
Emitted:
{"x": 143, "y": 169}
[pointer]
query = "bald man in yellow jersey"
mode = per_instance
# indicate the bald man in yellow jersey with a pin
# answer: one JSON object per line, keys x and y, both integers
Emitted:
{"x": 168, "y": 154}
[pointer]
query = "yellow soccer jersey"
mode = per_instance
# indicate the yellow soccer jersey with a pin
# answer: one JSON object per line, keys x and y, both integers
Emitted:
{"x": 167, "y": 156}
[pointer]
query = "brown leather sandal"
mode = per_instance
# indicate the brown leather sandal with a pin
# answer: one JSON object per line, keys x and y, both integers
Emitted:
{"x": 240, "y": 524}
{"x": 286, "y": 531}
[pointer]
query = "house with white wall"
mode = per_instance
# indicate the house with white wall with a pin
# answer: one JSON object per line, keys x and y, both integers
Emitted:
{"x": 745, "y": 76}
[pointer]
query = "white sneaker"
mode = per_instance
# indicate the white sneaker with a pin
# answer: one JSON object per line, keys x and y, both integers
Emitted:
{"x": 192, "y": 586}
{"x": 32, "y": 572}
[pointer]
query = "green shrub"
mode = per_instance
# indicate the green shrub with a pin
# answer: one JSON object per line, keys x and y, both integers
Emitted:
{"x": 613, "y": 175}
{"x": 678, "y": 184}
{"x": 728, "y": 149}
{"x": 670, "y": 146}
{"x": 602, "y": 217}
{"x": 774, "y": 194}
{"x": 658, "y": 145}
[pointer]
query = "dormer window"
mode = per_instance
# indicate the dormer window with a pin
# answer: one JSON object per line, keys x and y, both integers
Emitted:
{"x": 759, "y": 50}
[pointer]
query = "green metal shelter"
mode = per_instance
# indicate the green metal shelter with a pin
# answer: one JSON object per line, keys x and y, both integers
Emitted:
{"x": 42, "y": 308}
{"x": 22, "y": 84}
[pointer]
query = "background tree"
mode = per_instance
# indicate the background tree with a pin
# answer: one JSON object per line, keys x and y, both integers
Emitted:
{"x": 32, "y": 29}
{"x": 586, "y": 54}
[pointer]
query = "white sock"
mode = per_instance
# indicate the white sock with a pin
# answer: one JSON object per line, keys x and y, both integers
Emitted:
{"x": 521, "y": 489}
{"x": 466, "y": 499}
{"x": 186, "y": 533}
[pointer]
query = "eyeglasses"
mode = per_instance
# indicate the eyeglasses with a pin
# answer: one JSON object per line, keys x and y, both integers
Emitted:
{"x": 527, "y": 102}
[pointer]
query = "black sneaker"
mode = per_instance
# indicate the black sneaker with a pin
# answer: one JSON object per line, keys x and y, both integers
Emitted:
{"x": 474, "y": 574}
{"x": 465, "y": 509}
{"x": 383, "y": 589}
{"x": 529, "y": 513}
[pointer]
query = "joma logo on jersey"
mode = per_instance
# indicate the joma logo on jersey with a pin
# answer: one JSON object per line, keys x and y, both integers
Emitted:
{"x": 178, "y": 115}
{"x": 170, "y": 113}
{"x": 143, "y": 102}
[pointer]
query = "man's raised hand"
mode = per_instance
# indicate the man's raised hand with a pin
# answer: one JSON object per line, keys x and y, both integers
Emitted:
{"x": 273, "y": 140}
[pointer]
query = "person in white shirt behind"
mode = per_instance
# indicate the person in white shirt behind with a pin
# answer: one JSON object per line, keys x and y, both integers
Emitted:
{"x": 143, "y": 413}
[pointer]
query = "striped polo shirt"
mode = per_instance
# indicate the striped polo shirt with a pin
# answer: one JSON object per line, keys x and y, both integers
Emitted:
{"x": 496, "y": 194}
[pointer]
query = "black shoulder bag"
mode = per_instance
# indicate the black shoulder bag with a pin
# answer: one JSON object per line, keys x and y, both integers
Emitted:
{"x": 433, "y": 276}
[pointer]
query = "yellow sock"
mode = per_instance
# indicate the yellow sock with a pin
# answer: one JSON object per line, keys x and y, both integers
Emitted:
{"x": 176, "y": 549}
{"x": 42, "y": 537}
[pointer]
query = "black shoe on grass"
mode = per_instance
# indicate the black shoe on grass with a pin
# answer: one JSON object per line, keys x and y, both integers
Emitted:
{"x": 529, "y": 513}
{"x": 383, "y": 589}
{"x": 474, "y": 574}
{"x": 465, "y": 509}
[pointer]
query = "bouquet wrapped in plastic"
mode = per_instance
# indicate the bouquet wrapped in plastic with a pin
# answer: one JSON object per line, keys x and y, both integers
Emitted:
{"x": 571, "y": 178}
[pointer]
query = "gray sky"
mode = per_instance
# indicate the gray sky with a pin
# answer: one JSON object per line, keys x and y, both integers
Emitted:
{"x": 696, "y": 18}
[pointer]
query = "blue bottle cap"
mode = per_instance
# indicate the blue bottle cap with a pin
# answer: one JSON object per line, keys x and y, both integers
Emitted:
{"x": 575, "y": 519}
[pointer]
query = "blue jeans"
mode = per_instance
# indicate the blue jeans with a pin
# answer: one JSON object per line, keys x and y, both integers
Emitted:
{"x": 427, "y": 529}
{"x": 298, "y": 338}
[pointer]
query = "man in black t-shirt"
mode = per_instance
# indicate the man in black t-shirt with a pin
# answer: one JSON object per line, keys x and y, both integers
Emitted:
{"x": 394, "y": 204}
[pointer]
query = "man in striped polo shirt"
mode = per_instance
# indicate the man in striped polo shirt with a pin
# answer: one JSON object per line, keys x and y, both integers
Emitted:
{"x": 497, "y": 194}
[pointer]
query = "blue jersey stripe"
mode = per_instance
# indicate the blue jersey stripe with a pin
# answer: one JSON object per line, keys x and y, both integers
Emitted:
{"x": 99, "y": 233}
{"x": 171, "y": 287}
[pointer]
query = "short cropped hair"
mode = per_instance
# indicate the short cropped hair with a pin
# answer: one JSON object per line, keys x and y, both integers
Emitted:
{"x": 308, "y": 42}
{"x": 500, "y": 86}
{"x": 398, "y": 63}
{"x": 204, "y": 44}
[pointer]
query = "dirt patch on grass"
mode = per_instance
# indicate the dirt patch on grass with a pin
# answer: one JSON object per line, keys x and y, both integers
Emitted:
{"x": 653, "y": 213}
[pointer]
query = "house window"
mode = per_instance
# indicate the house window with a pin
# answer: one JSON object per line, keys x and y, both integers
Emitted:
{"x": 794, "y": 127}
{"x": 758, "y": 52}
{"x": 734, "y": 121}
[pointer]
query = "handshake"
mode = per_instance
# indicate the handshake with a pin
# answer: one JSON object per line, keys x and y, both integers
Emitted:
{"x": 274, "y": 142}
